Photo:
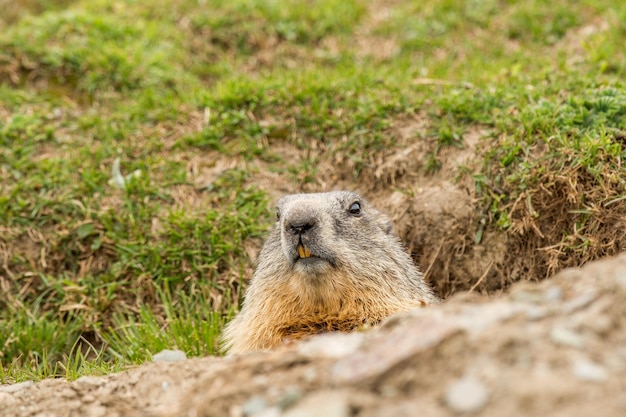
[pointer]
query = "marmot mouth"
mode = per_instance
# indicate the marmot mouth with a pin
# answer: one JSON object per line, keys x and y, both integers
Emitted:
{"x": 305, "y": 256}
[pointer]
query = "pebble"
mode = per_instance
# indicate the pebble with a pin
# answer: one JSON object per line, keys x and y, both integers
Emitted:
{"x": 16, "y": 387}
{"x": 96, "y": 410}
{"x": 382, "y": 353}
{"x": 88, "y": 382}
{"x": 7, "y": 399}
{"x": 578, "y": 302}
{"x": 310, "y": 375}
{"x": 466, "y": 395}
{"x": 269, "y": 412}
{"x": 553, "y": 294}
{"x": 167, "y": 355}
{"x": 566, "y": 337}
{"x": 321, "y": 404}
{"x": 254, "y": 406}
{"x": 538, "y": 296}
{"x": 528, "y": 296}
{"x": 331, "y": 345}
{"x": 589, "y": 371}
{"x": 621, "y": 280}
{"x": 536, "y": 313}
{"x": 388, "y": 391}
{"x": 88, "y": 398}
{"x": 67, "y": 393}
{"x": 289, "y": 398}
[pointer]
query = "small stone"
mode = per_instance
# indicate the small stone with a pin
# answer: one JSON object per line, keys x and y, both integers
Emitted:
{"x": 566, "y": 337}
{"x": 88, "y": 382}
{"x": 528, "y": 296}
{"x": 388, "y": 391}
{"x": 467, "y": 395}
{"x": 289, "y": 398}
{"x": 321, "y": 404}
{"x": 269, "y": 412}
{"x": 88, "y": 398}
{"x": 331, "y": 345}
{"x": 621, "y": 280}
{"x": 96, "y": 410}
{"x": 167, "y": 355}
{"x": 393, "y": 349}
{"x": 600, "y": 324}
{"x": 67, "y": 393}
{"x": 16, "y": 387}
{"x": 553, "y": 294}
{"x": 579, "y": 302}
{"x": 476, "y": 319}
{"x": 589, "y": 371}
{"x": 310, "y": 375}
{"x": 254, "y": 406}
{"x": 536, "y": 313}
{"x": 7, "y": 398}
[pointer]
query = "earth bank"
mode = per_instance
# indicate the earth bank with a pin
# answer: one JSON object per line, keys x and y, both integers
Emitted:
{"x": 554, "y": 348}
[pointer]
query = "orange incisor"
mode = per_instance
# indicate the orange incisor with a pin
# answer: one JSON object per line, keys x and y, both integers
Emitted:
{"x": 303, "y": 251}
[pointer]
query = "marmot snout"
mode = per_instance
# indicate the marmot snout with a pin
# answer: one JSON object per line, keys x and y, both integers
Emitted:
{"x": 331, "y": 262}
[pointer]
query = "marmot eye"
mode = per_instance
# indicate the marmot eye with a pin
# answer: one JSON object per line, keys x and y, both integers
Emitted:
{"x": 277, "y": 215}
{"x": 355, "y": 208}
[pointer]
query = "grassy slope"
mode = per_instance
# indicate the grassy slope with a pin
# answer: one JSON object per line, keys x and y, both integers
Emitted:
{"x": 172, "y": 89}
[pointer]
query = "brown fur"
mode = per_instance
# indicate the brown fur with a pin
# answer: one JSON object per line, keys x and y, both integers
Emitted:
{"x": 359, "y": 274}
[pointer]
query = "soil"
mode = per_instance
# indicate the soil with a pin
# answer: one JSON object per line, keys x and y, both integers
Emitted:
{"x": 555, "y": 348}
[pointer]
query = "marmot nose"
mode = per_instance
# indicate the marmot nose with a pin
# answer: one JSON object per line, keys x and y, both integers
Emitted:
{"x": 300, "y": 227}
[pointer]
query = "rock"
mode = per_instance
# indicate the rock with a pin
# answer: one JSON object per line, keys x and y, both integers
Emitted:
{"x": 553, "y": 294}
{"x": 169, "y": 356}
{"x": 579, "y": 302}
{"x": 566, "y": 337}
{"x": 97, "y": 410}
{"x": 588, "y": 371}
{"x": 544, "y": 352}
{"x": 269, "y": 412}
{"x": 289, "y": 398}
{"x": 534, "y": 295}
{"x": 16, "y": 387}
{"x": 321, "y": 404}
{"x": 7, "y": 399}
{"x": 87, "y": 382}
{"x": 331, "y": 345}
{"x": 466, "y": 395}
{"x": 254, "y": 406}
{"x": 67, "y": 393}
{"x": 391, "y": 349}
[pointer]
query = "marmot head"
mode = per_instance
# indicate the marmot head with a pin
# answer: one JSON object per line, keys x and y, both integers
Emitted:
{"x": 330, "y": 262}
{"x": 325, "y": 231}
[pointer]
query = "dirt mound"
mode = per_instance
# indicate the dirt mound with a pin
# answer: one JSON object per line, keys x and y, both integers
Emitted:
{"x": 561, "y": 221}
{"x": 557, "y": 348}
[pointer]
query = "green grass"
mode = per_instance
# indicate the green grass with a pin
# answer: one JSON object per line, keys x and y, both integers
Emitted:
{"x": 98, "y": 276}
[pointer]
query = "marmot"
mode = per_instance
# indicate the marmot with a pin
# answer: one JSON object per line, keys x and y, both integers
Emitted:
{"x": 331, "y": 262}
